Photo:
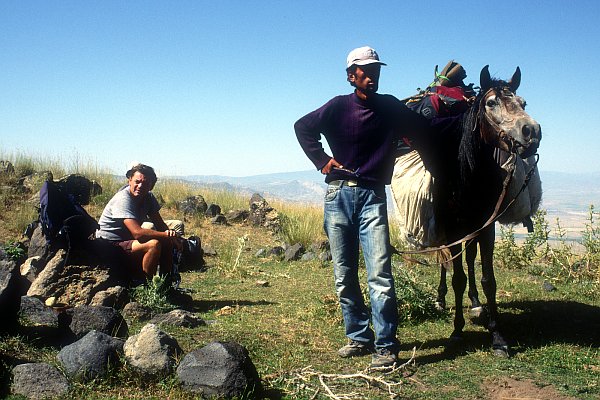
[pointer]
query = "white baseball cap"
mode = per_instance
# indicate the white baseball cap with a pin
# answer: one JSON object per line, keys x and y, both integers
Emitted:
{"x": 363, "y": 56}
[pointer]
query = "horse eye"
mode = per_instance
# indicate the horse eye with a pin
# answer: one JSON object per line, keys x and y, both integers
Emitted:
{"x": 490, "y": 103}
{"x": 523, "y": 103}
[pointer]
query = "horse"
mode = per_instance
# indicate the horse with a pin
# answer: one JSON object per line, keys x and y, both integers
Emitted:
{"x": 461, "y": 155}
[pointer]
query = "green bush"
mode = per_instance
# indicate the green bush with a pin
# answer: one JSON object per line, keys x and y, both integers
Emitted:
{"x": 415, "y": 300}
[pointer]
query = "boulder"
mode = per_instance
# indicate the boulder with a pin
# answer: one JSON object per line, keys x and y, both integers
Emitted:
{"x": 6, "y": 168}
{"x": 44, "y": 283}
{"x": 237, "y": 216}
{"x": 152, "y": 351}
{"x": 31, "y": 268}
{"x": 294, "y": 252}
{"x": 34, "y": 182}
{"x": 193, "y": 205}
{"x": 84, "y": 319}
{"x": 11, "y": 289}
{"x": 208, "y": 250}
{"x": 34, "y": 312}
{"x": 212, "y": 211}
{"x": 135, "y": 311}
{"x": 262, "y": 214}
{"x": 37, "y": 244}
{"x": 72, "y": 285}
{"x": 39, "y": 381}
{"x": 91, "y": 356}
{"x": 78, "y": 186}
{"x": 180, "y": 318}
{"x": 277, "y": 251}
{"x": 325, "y": 256}
{"x": 220, "y": 369}
{"x": 219, "y": 220}
{"x": 116, "y": 297}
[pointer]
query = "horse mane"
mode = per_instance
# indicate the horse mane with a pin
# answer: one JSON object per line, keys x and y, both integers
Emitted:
{"x": 470, "y": 135}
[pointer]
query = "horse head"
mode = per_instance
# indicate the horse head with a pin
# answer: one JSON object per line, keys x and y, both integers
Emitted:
{"x": 503, "y": 120}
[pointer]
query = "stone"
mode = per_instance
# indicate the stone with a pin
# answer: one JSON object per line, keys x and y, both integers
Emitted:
{"x": 32, "y": 267}
{"x": 11, "y": 290}
{"x": 91, "y": 356}
{"x": 180, "y": 318}
{"x": 72, "y": 285}
{"x": 84, "y": 319}
{"x": 37, "y": 244}
{"x": 152, "y": 351}
{"x": 219, "y": 220}
{"x": 96, "y": 189}
{"x": 78, "y": 186}
{"x": 318, "y": 246}
{"x": 261, "y": 253}
{"x": 208, "y": 250}
{"x": 294, "y": 252}
{"x": 237, "y": 216}
{"x": 6, "y": 168}
{"x": 308, "y": 256}
{"x": 116, "y": 297}
{"x": 212, "y": 211}
{"x": 277, "y": 251}
{"x": 34, "y": 181}
{"x": 44, "y": 283}
{"x": 548, "y": 287}
{"x": 193, "y": 205}
{"x": 220, "y": 369}
{"x": 325, "y": 256}
{"x": 262, "y": 214}
{"x": 38, "y": 381}
{"x": 135, "y": 311}
{"x": 34, "y": 312}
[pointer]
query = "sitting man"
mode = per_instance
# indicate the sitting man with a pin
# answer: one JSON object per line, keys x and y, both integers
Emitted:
{"x": 121, "y": 224}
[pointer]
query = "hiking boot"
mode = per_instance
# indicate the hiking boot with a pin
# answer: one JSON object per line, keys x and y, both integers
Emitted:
{"x": 384, "y": 358}
{"x": 355, "y": 349}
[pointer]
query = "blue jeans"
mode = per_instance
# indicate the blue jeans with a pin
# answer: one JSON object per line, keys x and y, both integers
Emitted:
{"x": 356, "y": 215}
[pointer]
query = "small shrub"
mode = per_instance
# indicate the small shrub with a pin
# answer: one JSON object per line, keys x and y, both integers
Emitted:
{"x": 415, "y": 300}
{"x": 506, "y": 251}
{"x": 590, "y": 238}
{"x": 153, "y": 294}
{"x": 15, "y": 251}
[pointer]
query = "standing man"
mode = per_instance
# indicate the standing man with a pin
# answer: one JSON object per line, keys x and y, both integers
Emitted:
{"x": 362, "y": 130}
{"x": 121, "y": 223}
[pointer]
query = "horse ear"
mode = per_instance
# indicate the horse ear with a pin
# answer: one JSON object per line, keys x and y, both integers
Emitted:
{"x": 515, "y": 81}
{"x": 485, "y": 80}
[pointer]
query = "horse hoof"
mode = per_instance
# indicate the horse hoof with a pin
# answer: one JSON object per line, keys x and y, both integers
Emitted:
{"x": 475, "y": 312}
{"x": 439, "y": 306}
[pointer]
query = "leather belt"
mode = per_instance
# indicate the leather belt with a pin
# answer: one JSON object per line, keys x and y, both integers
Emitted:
{"x": 344, "y": 182}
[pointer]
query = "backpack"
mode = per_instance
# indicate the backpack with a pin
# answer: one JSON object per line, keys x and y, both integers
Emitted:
{"x": 439, "y": 101}
{"x": 192, "y": 256}
{"x": 64, "y": 222}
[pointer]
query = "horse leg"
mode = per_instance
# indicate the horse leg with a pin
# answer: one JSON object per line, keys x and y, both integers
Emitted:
{"x": 459, "y": 284}
{"x": 470, "y": 255}
{"x": 488, "y": 283}
{"x": 440, "y": 302}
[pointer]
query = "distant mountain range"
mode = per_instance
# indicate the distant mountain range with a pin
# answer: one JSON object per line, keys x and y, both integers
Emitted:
{"x": 566, "y": 195}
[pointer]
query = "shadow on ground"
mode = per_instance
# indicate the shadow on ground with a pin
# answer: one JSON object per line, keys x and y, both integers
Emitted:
{"x": 525, "y": 325}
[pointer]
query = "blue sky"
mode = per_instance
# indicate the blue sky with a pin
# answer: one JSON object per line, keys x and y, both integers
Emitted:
{"x": 214, "y": 87}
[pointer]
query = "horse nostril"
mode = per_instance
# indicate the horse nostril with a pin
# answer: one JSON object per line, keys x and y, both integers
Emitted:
{"x": 529, "y": 131}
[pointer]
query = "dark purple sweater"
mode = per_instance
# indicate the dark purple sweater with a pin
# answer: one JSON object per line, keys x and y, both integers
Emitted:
{"x": 363, "y": 136}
